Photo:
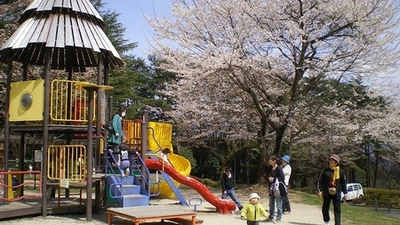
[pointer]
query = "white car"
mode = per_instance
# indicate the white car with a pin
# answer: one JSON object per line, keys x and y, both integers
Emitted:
{"x": 354, "y": 190}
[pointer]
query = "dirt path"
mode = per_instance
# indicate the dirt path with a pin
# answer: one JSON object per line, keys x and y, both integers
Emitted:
{"x": 301, "y": 214}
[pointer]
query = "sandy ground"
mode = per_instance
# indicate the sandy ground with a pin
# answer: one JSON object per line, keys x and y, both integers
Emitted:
{"x": 301, "y": 214}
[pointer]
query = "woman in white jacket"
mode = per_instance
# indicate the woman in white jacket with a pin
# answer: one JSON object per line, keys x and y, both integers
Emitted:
{"x": 287, "y": 170}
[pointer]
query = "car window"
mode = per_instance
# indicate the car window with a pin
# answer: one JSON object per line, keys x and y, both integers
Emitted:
{"x": 350, "y": 188}
{"x": 357, "y": 187}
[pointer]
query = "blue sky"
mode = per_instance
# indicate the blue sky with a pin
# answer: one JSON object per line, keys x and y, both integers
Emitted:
{"x": 132, "y": 16}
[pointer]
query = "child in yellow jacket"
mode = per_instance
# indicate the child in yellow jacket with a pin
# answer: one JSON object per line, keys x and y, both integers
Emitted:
{"x": 253, "y": 210}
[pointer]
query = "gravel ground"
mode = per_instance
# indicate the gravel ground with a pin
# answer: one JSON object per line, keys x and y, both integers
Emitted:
{"x": 301, "y": 214}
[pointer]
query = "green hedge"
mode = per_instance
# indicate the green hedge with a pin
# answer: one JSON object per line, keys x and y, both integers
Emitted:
{"x": 382, "y": 197}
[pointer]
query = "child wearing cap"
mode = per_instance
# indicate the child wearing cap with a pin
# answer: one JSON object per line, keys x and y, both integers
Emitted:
{"x": 253, "y": 210}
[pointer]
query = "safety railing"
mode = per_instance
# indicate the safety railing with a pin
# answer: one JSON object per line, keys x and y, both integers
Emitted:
{"x": 109, "y": 165}
{"x": 69, "y": 103}
{"x": 136, "y": 165}
{"x": 134, "y": 168}
{"x": 18, "y": 190}
{"x": 133, "y": 133}
{"x": 67, "y": 162}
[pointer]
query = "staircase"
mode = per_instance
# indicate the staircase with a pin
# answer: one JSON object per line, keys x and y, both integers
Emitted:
{"x": 127, "y": 190}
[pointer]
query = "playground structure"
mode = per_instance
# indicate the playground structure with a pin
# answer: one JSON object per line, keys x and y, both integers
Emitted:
{"x": 68, "y": 115}
{"x": 59, "y": 36}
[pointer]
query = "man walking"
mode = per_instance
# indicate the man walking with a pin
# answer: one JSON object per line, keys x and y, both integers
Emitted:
{"x": 227, "y": 185}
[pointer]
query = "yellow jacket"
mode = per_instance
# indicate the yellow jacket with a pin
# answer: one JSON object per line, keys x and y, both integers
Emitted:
{"x": 253, "y": 212}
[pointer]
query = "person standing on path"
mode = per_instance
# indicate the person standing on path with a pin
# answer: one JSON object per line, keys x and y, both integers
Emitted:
{"x": 253, "y": 210}
{"x": 331, "y": 183}
{"x": 274, "y": 172}
{"x": 287, "y": 171}
{"x": 116, "y": 136}
{"x": 227, "y": 185}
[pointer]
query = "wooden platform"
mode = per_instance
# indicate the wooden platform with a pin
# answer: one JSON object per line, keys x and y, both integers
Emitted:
{"x": 151, "y": 213}
{"x": 32, "y": 207}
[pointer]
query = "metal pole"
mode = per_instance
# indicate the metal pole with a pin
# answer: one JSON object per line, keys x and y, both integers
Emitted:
{"x": 100, "y": 112}
{"x": 46, "y": 121}
{"x": 7, "y": 126}
{"x": 144, "y": 142}
{"x": 89, "y": 178}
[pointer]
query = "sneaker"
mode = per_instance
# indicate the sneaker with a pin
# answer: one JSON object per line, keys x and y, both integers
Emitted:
{"x": 286, "y": 213}
{"x": 240, "y": 208}
{"x": 326, "y": 223}
{"x": 278, "y": 221}
{"x": 270, "y": 219}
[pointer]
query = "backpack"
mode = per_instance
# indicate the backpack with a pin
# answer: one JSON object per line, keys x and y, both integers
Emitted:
{"x": 109, "y": 125}
{"x": 279, "y": 189}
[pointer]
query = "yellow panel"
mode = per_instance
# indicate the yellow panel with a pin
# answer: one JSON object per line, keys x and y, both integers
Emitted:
{"x": 162, "y": 135}
{"x": 30, "y": 92}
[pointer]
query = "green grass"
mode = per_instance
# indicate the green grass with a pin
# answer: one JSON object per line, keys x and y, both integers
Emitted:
{"x": 351, "y": 215}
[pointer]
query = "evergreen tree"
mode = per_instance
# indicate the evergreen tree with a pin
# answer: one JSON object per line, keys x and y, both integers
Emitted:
{"x": 139, "y": 86}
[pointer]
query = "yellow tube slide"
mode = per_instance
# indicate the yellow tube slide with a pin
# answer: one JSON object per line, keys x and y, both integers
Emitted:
{"x": 160, "y": 137}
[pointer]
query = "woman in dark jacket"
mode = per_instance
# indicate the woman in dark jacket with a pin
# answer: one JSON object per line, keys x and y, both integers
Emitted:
{"x": 275, "y": 172}
{"x": 331, "y": 183}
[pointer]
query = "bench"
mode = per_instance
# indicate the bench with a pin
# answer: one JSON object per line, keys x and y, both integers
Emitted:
{"x": 140, "y": 214}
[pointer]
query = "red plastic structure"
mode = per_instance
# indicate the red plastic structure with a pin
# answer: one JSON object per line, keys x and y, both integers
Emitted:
{"x": 223, "y": 206}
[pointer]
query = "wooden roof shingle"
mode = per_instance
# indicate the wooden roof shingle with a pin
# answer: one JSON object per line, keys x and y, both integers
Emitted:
{"x": 72, "y": 29}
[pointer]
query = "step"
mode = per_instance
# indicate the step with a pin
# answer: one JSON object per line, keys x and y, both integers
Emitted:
{"x": 135, "y": 200}
{"x": 128, "y": 189}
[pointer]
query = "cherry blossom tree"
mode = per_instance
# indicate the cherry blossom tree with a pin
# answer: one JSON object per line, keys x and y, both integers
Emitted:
{"x": 242, "y": 63}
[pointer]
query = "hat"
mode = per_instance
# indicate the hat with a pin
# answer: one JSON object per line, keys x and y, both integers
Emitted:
{"x": 286, "y": 158}
{"x": 254, "y": 195}
{"x": 335, "y": 157}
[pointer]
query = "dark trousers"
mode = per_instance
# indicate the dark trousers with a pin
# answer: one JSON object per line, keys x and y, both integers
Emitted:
{"x": 336, "y": 208}
{"x": 286, "y": 204}
{"x": 115, "y": 150}
{"x": 253, "y": 222}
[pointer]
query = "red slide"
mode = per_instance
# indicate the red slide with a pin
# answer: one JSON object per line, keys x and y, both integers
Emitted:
{"x": 224, "y": 206}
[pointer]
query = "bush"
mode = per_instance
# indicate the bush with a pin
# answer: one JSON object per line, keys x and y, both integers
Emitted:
{"x": 382, "y": 197}
{"x": 210, "y": 183}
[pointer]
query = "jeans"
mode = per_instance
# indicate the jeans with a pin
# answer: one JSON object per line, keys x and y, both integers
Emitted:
{"x": 279, "y": 202}
{"x": 253, "y": 222}
{"x": 124, "y": 164}
{"x": 231, "y": 193}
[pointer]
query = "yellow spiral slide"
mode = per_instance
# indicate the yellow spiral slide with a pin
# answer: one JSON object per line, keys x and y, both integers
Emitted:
{"x": 160, "y": 137}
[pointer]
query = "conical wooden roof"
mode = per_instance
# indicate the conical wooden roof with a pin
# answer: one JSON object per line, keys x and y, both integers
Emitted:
{"x": 72, "y": 29}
